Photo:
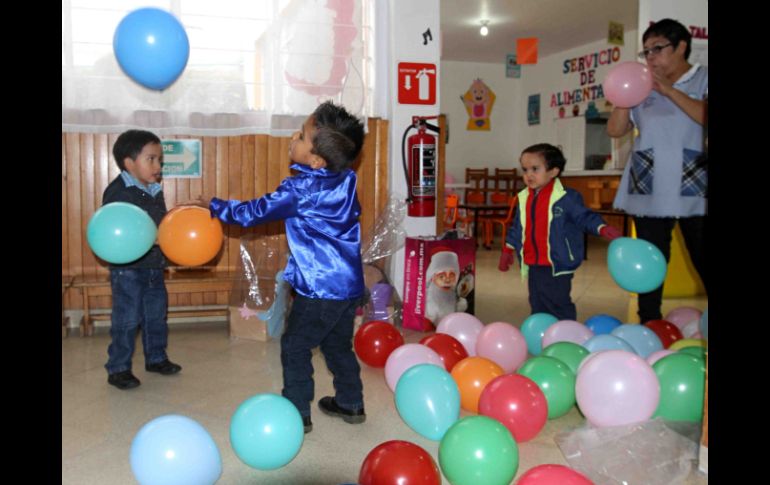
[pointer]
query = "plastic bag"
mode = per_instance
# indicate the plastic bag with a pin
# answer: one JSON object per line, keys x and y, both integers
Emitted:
{"x": 648, "y": 453}
{"x": 388, "y": 235}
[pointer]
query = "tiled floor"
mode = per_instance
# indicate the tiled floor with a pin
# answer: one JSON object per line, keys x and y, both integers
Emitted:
{"x": 100, "y": 421}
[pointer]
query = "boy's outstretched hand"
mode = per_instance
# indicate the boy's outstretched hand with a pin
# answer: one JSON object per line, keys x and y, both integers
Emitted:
{"x": 200, "y": 201}
{"x": 506, "y": 259}
{"x": 609, "y": 233}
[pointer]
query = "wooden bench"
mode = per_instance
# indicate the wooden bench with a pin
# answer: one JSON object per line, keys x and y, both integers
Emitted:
{"x": 180, "y": 281}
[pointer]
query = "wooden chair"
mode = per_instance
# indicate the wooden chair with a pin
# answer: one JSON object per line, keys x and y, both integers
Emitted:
{"x": 472, "y": 197}
{"x": 505, "y": 222}
{"x": 506, "y": 180}
{"x": 478, "y": 178}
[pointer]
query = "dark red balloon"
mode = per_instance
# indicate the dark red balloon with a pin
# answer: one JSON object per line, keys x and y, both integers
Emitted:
{"x": 399, "y": 462}
{"x": 447, "y": 347}
{"x": 667, "y": 332}
{"x": 553, "y": 475}
{"x": 374, "y": 342}
{"x": 517, "y": 402}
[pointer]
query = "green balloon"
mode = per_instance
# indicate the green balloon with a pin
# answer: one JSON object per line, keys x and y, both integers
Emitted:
{"x": 478, "y": 450}
{"x": 696, "y": 351}
{"x": 682, "y": 380}
{"x": 570, "y": 353}
{"x": 555, "y": 379}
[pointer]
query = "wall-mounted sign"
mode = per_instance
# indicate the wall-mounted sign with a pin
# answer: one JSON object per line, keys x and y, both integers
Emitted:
{"x": 512, "y": 69}
{"x": 533, "y": 109}
{"x": 416, "y": 83}
{"x": 181, "y": 158}
{"x": 478, "y": 100}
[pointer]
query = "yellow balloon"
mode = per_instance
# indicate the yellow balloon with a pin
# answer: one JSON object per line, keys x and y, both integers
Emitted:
{"x": 688, "y": 342}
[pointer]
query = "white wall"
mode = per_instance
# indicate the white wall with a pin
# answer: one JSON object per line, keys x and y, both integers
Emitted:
{"x": 510, "y": 133}
{"x": 478, "y": 149}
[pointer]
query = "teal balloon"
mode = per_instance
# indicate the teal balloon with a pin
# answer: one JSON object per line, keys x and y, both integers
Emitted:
{"x": 704, "y": 324}
{"x": 636, "y": 265}
{"x": 602, "y": 323}
{"x": 534, "y": 328}
{"x": 266, "y": 431}
{"x": 120, "y": 233}
{"x": 478, "y": 450}
{"x": 597, "y": 343}
{"x": 682, "y": 380}
{"x": 555, "y": 379}
{"x": 174, "y": 450}
{"x": 570, "y": 353}
{"x": 643, "y": 340}
{"x": 428, "y": 400}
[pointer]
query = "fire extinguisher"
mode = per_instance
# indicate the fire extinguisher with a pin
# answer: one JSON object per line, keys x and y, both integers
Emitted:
{"x": 421, "y": 170}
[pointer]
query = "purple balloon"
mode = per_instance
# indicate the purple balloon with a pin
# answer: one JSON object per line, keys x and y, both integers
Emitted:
{"x": 464, "y": 327}
{"x": 503, "y": 344}
{"x": 627, "y": 84}
{"x": 567, "y": 331}
{"x": 406, "y": 356}
{"x": 616, "y": 388}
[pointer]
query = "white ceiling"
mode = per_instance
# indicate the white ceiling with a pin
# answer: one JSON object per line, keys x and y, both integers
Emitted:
{"x": 558, "y": 24}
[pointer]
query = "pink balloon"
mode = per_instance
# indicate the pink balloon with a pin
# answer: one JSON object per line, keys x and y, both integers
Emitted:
{"x": 517, "y": 402}
{"x": 691, "y": 329}
{"x": 462, "y": 326}
{"x": 683, "y": 315}
{"x": 406, "y": 356}
{"x": 503, "y": 344}
{"x": 627, "y": 84}
{"x": 657, "y": 355}
{"x": 553, "y": 475}
{"x": 566, "y": 331}
{"x": 616, "y": 388}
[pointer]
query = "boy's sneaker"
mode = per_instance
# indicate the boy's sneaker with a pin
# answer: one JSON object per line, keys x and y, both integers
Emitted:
{"x": 329, "y": 406}
{"x": 123, "y": 380}
{"x": 165, "y": 367}
{"x": 307, "y": 423}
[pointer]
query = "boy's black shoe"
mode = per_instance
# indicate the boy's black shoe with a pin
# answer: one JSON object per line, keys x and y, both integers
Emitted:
{"x": 123, "y": 380}
{"x": 165, "y": 367}
{"x": 307, "y": 423}
{"x": 329, "y": 406}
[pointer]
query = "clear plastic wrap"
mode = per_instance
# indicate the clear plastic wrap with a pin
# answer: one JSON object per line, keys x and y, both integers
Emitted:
{"x": 388, "y": 235}
{"x": 653, "y": 452}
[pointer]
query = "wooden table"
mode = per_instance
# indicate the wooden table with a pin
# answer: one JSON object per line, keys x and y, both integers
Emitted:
{"x": 476, "y": 208}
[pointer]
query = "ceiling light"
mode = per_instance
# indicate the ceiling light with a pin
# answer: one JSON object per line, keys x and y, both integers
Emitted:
{"x": 484, "y": 29}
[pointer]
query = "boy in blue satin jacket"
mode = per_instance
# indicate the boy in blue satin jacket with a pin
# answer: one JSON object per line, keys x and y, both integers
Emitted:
{"x": 547, "y": 232}
{"x": 321, "y": 211}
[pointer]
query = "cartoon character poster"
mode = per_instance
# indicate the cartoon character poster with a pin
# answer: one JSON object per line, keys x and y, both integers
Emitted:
{"x": 478, "y": 100}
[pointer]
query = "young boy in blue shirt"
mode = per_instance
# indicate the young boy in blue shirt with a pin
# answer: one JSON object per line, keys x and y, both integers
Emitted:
{"x": 139, "y": 296}
{"x": 547, "y": 232}
{"x": 321, "y": 210}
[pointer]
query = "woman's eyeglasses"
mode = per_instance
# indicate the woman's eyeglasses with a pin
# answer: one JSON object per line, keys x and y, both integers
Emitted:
{"x": 655, "y": 50}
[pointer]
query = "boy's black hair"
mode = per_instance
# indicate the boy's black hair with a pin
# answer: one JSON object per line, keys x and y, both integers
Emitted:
{"x": 552, "y": 155}
{"x": 339, "y": 136}
{"x": 671, "y": 30}
{"x": 130, "y": 143}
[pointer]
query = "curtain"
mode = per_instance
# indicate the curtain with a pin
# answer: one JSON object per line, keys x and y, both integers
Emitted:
{"x": 255, "y": 66}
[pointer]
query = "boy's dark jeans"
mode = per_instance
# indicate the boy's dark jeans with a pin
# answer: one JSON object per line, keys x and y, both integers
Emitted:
{"x": 139, "y": 298}
{"x": 551, "y": 294}
{"x": 328, "y": 323}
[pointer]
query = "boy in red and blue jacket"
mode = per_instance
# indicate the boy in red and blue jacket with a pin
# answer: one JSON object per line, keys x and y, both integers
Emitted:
{"x": 548, "y": 234}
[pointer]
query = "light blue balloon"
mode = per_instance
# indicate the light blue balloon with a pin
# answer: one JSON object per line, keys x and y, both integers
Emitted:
{"x": 642, "y": 339}
{"x": 266, "y": 431}
{"x": 636, "y": 265}
{"x": 534, "y": 328}
{"x": 175, "y": 450}
{"x": 602, "y": 323}
{"x": 151, "y": 47}
{"x": 428, "y": 400}
{"x": 597, "y": 343}
{"x": 704, "y": 324}
{"x": 120, "y": 232}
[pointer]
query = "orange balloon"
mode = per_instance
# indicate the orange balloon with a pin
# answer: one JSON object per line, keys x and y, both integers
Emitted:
{"x": 189, "y": 236}
{"x": 472, "y": 375}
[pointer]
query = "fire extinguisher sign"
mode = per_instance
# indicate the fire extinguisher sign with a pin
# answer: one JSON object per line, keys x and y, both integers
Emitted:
{"x": 416, "y": 83}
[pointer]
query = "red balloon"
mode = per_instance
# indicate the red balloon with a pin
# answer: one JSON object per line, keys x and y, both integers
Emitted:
{"x": 399, "y": 462}
{"x": 517, "y": 402}
{"x": 553, "y": 475}
{"x": 374, "y": 342}
{"x": 667, "y": 332}
{"x": 447, "y": 347}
